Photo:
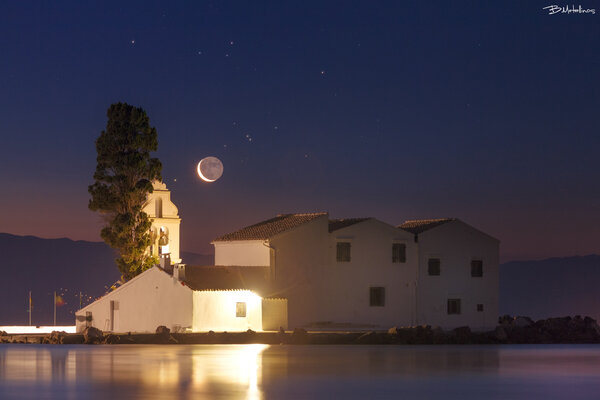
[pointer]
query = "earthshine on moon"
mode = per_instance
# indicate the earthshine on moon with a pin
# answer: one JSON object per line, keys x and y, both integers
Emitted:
{"x": 210, "y": 169}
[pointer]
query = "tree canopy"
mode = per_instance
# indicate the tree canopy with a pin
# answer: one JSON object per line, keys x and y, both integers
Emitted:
{"x": 123, "y": 179}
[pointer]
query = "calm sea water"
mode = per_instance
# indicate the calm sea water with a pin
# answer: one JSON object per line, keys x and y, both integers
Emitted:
{"x": 299, "y": 372}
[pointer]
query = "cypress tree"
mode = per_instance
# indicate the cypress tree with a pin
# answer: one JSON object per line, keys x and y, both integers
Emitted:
{"x": 123, "y": 180}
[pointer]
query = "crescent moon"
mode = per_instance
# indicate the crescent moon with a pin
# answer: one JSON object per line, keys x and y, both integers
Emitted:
{"x": 204, "y": 178}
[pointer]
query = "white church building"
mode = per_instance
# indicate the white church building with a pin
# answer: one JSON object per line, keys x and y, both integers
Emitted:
{"x": 308, "y": 270}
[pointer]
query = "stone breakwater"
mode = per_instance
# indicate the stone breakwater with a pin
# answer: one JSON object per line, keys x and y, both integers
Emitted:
{"x": 510, "y": 330}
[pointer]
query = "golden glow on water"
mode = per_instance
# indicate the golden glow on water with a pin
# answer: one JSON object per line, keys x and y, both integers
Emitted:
{"x": 164, "y": 374}
{"x": 239, "y": 366}
{"x": 233, "y": 369}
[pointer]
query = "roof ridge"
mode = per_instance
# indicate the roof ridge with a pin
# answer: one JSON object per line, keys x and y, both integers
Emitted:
{"x": 417, "y": 226}
{"x": 302, "y": 214}
{"x": 430, "y": 219}
{"x": 348, "y": 219}
{"x": 268, "y": 228}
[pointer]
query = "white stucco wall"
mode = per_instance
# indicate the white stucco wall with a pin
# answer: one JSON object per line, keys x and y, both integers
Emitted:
{"x": 244, "y": 252}
{"x": 274, "y": 314}
{"x": 348, "y": 283}
{"x": 456, "y": 244}
{"x": 299, "y": 258}
{"x": 216, "y": 311}
{"x": 151, "y": 299}
{"x": 169, "y": 210}
{"x": 319, "y": 289}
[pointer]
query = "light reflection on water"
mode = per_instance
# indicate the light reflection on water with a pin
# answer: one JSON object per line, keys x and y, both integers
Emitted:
{"x": 260, "y": 371}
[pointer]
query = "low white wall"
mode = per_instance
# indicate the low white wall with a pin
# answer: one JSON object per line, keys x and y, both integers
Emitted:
{"x": 216, "y": 311}
{"x": 274, "y": 314}
{"x": 151, "y": 299}
{"x": 28, "y": 329}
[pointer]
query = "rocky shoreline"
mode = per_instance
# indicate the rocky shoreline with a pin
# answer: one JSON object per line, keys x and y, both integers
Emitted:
{"x": 510, "y": 330}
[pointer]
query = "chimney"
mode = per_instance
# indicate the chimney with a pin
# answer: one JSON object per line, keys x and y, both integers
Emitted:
{"x": 165, "y": 262}
{"x": 179, "y": 272}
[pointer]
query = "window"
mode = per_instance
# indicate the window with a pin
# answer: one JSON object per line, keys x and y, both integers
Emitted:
{"x": 240, "y": 309}
{"x": 158, "y": 207}
{"x": 476, "y": 268}
{"x": 453, "y": 306}
{"x": 398, "y": 253}
{"x": 377, "y": 297}
{"x": 479, "y": 307}
{"x": 433, "y": 266}
{"x": 343, "y": 252}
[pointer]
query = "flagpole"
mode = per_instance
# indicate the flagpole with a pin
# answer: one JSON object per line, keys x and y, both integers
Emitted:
{"x": 30, "y": 308}
{"x": 55, "y": 308}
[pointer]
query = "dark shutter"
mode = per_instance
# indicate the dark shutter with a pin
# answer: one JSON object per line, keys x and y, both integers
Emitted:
{"x": 476, "y": 268}
{"x": 377, "y": 296}
{"x": 343, "y": 252}
{"x": 433, "y": 266}
{"x": 398, "y": 253}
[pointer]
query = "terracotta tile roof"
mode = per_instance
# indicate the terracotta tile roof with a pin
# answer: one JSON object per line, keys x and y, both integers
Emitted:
{"x": 417, "y": 226}
{"x": 269, "y": 228}
{"x": 218, "y": 277}
{"x": 335, "y": 224}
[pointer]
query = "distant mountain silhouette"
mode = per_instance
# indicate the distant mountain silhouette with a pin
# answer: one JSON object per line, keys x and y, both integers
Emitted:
{"x": 67, "y": 266}
{"x": 551, "y": 288}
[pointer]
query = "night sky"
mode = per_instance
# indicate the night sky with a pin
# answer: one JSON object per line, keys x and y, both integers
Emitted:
{"x": 485, "y": 111}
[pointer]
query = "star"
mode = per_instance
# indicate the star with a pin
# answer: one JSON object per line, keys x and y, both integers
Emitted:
{"x": 133, "y": 41}
{"x": 231, "y": 43}
{"x": 322, "y": 72}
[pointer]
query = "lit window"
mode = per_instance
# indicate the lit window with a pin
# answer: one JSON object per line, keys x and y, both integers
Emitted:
{"x": 479, "y": 307}
{"x": 433, "y": 266}
{"x": 343, "y": 252}
{"x": 476, "y": 268}
{"x": 453, "y": 306}
{"x": 398, "y": 253}
{"x": 240, "y": 309}
{"x": 377, "y": 297}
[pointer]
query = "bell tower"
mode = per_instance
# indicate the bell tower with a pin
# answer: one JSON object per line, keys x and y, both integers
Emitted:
{"x": 165, "y": 223}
